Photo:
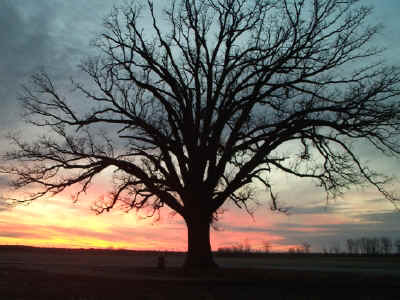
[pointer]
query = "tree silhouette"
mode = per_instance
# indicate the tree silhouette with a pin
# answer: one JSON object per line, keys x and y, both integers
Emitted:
{"x": 306, "y": 247}
{"x": 199, "y": 102}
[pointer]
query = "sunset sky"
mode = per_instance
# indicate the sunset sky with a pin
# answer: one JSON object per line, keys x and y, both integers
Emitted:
{"x": 55, "y": 35}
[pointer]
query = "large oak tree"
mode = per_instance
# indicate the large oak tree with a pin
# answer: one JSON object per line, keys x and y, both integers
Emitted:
{"x": 197, "y": 100}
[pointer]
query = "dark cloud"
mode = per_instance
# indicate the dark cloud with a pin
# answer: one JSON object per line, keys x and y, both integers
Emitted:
{"x": 20, "y": 234}
{"x": 27, "y": 39}
{"x": 53, "y": 35}
{"x": 322, "y": 236}
{"x": 326, "y": 235}
{"x": 227, "y": 227}
{"x": 25, "y": 42}
{"x": 318, "y": 209}
{"x": 387, "y": 219}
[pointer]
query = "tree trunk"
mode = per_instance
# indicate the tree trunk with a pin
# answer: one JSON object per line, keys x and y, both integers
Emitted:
{"x": 199, "y": 255}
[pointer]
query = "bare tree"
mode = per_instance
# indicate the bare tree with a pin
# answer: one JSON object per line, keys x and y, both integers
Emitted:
{"x": 246, "y": 246}
{"x": 335, "y": 248}
{"x": 397, "y": 244}
{"x": 197, "y": 107}
{"x": 357, "y": 246}
{"x": 386, "y": 245}
{"x": 350, "y": 243}
{"x": 306, "y": 247}
{"x": 364, "y": 245}
{"x": 370, "y": 246}
{"x": 375, "y": 246}
{"x": 266, "y": 246}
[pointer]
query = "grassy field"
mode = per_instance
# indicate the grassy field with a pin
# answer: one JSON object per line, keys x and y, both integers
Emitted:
{"x": 28, "y": 273}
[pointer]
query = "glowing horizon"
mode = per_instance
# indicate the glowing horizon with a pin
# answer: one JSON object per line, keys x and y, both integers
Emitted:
{"x": 59, "y": 223}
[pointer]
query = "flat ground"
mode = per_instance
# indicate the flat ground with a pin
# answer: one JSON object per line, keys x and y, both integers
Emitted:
{"x": 27, "y": 273}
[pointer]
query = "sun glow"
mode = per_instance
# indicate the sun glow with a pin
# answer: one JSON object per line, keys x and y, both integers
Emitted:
{"x": 58, "y": 222}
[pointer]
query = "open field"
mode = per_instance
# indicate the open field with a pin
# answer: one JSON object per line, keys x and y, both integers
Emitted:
{"x": 27, "y": 273}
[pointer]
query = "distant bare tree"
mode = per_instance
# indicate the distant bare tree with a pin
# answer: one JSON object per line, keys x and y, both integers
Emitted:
{"x": 370, "y": 246}
{"x": 364, "y": 245}
{"x": 208, "y": 101}
{"x": 242, "y": 248}
{"x": 267, "y": 247}
{"x": 397, "y": 244}
{"x": 246, "y": 246}
{"x": 335, "y": 248}
{"x": 374, "y": 246}
{"x": 387, "y": 245}
{"x": 357, "y": 246}
{"x": 350, "y": 246}
{"x": 306, "y": 247}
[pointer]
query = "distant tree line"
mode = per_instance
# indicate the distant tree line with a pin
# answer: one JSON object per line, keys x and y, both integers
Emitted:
{"x": 238, "y": 248}
{"x": 366, "y": 246}
{"x": 304, "y": 248}
{"x": 353, "y": 246}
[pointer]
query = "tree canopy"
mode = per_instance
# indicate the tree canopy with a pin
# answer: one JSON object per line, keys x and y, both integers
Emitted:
{"x": 196, "y": 101}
